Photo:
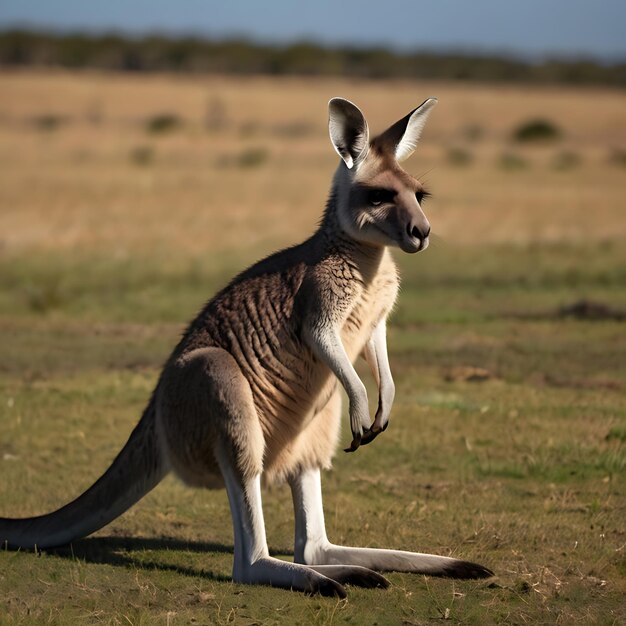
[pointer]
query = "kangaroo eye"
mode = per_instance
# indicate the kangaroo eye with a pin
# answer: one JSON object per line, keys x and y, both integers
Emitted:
{"x": 377, "y": 196}
{"x": 420, "y": 196}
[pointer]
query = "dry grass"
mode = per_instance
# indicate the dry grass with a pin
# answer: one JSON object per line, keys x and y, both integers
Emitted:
{"x": 77, "y": 188}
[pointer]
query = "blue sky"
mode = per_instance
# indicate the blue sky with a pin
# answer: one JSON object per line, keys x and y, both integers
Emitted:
{"x": 529, "y": 27}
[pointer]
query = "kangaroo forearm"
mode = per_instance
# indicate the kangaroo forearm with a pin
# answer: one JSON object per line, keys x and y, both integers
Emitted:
{"x": 327, "y": 346}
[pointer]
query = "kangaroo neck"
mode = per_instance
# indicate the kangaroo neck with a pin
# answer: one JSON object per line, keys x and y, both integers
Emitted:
{"x": 335, "y": 242}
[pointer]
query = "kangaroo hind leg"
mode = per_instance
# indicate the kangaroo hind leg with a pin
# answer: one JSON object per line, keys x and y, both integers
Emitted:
{"x": 314, "y": 548}
{"x": 203, "y": 401}
{"x": 211, "y": 426}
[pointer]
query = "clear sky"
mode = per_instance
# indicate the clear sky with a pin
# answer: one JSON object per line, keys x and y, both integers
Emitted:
{"x": 528, "y": 27}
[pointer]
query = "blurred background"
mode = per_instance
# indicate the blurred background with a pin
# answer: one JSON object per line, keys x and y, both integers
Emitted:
{"x": 134, "y": 125}
{"x": 150, "y": 150}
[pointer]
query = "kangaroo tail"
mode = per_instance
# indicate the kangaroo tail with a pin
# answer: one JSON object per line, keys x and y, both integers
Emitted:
{"x": 137, "y": 469}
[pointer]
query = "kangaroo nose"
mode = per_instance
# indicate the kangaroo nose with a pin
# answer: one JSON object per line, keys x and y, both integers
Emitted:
{"x": 414, "y": 231}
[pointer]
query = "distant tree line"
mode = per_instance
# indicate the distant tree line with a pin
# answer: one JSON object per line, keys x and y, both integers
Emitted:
{"x": 239, "y": 56}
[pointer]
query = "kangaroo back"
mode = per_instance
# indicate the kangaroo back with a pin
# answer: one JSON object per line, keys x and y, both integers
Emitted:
{"x": 136, "y": 470}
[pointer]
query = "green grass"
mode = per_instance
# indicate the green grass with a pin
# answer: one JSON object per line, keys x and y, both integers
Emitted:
{"x": 524, "y": 471}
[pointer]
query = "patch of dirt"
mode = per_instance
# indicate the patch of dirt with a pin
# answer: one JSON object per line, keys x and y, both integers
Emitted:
{"x": 579, "y": 383}
{"x": 584, "y": 309}
{"x": 467, "y": 373}
{"x": 591, "y": 310}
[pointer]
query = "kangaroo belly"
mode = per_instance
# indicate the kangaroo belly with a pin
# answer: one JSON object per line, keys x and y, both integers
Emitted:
{"x": 288, "y": 394}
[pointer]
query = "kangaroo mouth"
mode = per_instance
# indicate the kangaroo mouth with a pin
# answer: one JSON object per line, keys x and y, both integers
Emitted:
{"x": 404, "y": 240}
{"x": 411, "y": 244}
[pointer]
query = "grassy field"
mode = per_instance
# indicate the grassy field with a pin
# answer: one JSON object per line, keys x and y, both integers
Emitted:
{"x": 126, "y": 201}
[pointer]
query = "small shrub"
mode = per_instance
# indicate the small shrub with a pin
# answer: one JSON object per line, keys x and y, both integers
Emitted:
{"x": 459, "y": 157}
{"x": 512, "y": 161}
{"x": 142, "y": 155}
{"x": 44, "y": 297}
{"x": 163, "y": 123}
{"x": 252, "y": 157}
{"x": 617, "y": 433}
{"x": 618, "y": 157}
{"x": 566, "y": 160}
{"x": 537, "y": 130}
{"x": 48, "y": 122}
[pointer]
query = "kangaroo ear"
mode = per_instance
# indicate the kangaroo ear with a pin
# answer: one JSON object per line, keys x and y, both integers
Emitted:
{"x": 348, "y": 130}
{"x": 403, "y": 136}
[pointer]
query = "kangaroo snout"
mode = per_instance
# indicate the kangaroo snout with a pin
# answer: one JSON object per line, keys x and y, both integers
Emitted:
{"x": 416, "y": 236}
{"x": 418, "y": 232}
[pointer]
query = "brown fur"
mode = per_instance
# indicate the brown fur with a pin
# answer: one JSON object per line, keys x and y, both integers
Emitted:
{"x": 252, "y": 329}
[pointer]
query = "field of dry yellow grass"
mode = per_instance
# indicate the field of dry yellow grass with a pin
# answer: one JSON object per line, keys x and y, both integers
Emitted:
{"x": 126, "y": 200}
{"x": 76, "y": 186}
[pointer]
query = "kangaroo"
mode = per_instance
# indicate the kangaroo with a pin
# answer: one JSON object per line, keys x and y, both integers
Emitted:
{"x": 251, "y": 392}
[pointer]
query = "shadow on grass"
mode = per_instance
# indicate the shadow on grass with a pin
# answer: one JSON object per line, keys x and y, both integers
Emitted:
{"x": 127, "y": 552}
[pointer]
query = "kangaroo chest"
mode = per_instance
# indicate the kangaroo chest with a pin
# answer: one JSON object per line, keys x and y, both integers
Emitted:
{"x": 260, "y": 329}
{"x": 304, "y": 384}
{"x": 373, "y": 303}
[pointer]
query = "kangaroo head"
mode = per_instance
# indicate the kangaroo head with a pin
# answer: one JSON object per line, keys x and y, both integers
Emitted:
{"x": 377, "y": 201}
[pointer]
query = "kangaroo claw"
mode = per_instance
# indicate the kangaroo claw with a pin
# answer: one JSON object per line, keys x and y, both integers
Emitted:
{"x": 356, "y": 442}
{"x": 369, "y": 435}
